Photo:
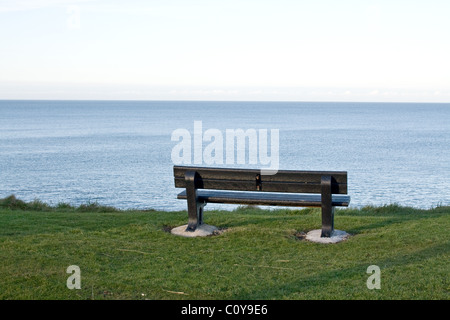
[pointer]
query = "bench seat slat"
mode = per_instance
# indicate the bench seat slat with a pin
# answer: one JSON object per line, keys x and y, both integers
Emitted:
{"x": 240, "y": 185}
{"x": 270, "y": 199}
{"x": 249, "y": 174}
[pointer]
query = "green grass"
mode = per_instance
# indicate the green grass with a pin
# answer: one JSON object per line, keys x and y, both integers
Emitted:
{"x": 260, "y": 254}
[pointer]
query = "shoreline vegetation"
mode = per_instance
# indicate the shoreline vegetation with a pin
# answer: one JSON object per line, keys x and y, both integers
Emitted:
{"x": 13, "y": 203}
{"x": 259, "y": 253}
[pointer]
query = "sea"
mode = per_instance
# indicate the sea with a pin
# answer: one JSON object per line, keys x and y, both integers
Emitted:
{"x": 121, "y": 153}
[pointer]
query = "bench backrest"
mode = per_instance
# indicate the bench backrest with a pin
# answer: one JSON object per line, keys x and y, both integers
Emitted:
{"x": 251, "y": 180}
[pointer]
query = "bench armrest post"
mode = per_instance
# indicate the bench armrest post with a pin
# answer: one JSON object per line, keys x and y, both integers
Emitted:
{"x": 195, "y": 208}
{"x": 327, "y": 208}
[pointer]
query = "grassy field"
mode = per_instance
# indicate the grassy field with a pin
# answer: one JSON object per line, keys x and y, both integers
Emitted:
{"x": 259, "y": 254}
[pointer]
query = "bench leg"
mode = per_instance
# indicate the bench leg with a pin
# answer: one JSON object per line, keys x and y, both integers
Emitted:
{"x": 195, "y": 208}
{"x": 195, "y": 216}
{"x": 327, "y": 222}
{"x": 327, "y": 208}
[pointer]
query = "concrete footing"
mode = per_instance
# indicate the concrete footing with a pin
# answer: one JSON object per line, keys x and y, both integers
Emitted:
{"x": 202, "y": 231}
{"x": 336, "y": 236}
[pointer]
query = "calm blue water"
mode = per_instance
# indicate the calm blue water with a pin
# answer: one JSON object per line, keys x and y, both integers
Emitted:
{"x": 119, "y": 153}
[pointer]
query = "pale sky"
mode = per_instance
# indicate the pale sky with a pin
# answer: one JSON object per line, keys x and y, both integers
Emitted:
{"x": 317, "y": 50}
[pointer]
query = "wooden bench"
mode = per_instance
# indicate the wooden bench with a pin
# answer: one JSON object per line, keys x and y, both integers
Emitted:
{"x": 325, "y": 189}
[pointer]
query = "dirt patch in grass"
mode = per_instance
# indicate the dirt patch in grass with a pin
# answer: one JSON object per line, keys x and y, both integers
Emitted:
{"x": 167, "y": 228}
{"x": 299, "y": 235}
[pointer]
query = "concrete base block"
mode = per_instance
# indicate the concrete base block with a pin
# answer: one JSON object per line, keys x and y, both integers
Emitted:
{"x": 201, "y": 231}
{"x": 336, "y": 236}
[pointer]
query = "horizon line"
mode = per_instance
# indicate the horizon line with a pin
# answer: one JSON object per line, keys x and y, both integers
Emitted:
{"x": 208, "y": 100}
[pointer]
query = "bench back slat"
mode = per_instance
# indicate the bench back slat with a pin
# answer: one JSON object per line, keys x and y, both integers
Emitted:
{"x": 290, "y": 181}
